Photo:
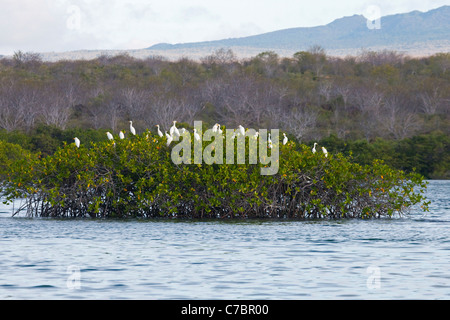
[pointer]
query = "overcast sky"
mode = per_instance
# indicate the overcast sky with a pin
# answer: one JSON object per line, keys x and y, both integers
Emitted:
{"x": 65, "y": 25}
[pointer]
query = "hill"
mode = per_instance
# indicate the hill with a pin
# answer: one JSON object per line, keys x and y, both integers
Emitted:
{"x": 415, "y": 33}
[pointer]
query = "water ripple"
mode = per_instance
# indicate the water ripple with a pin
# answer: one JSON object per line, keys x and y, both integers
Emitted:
{"x": 85, "y": 259}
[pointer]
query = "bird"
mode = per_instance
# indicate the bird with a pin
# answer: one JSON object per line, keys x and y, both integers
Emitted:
{"x": 121, "y": 135}
{"x": 173, "y": 130}
{"x": 241, "y": 130}
{"x": 196, "y": 135}
{"x": 325, "y": 151}
{"x": 110, "y": 136}
{"x": 269, "y": 141}
{"x": 169, "y": 138}
{"x": 77, "y": 142}
{"x": 132, "y": 130}
{"x": 160, "y": 134}
{"x": 314, "y": 148}
{"x": 256, "y": 135}
{"x": 216, "y": 128}
{"x": 285, "y": 140}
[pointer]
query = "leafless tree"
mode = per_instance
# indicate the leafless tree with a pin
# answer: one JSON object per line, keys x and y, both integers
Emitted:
{"x": 18, "y": 106}
{"x": 134, "y": 100}
{"x": 244, "y": 100}
{"x": 57, "y": 101}
{"x": 399, "y": 122}
{"x": 431, "y": 101}
{"x": 368, "y": 101}
{"x": 324, "y": 91}
{"x": 300, "y": 122}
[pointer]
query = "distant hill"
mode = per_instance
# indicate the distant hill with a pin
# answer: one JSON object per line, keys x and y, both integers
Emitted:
{"x": 400, "y": 31}
{"x": 415, "y": 33}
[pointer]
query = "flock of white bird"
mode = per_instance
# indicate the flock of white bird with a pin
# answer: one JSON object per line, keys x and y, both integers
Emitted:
{"x": 216, "y": 128}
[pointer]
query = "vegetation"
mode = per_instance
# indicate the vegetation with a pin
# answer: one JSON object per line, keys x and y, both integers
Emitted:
{"x": 383, "y": 116}
{"x": 136, "y": 177}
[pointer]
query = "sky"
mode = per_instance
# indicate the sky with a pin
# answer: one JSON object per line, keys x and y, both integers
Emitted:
{"x": 66, "y": 25}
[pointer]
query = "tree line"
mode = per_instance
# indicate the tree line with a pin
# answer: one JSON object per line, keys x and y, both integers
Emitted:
{"x": 364, "y": 99}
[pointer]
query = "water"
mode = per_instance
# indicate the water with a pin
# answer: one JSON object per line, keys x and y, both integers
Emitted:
{"x": 405, "y": 258}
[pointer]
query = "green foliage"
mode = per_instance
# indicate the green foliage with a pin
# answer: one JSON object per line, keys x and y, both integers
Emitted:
{"x": 9, "y": 154}
{"x": 136, "y": 178}
{"x": 428, "y": 154}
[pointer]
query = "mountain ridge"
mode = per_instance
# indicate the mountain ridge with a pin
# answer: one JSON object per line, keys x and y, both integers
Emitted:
{"x": 415, "y": 33}
{"x": 342, "y": 33}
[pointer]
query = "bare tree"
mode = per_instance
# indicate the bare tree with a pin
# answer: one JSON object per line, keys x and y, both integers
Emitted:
{"x": 57, "y": 101}
{"x": 164, "y": 110}
{"x": 300, "y": 122}
{"x": 431, "y": 101}
{"x": 134, "y": 101}
{"x": 18, "y": 106}
{"x": 397, "y": 120}
{"x": 244, "y": 99}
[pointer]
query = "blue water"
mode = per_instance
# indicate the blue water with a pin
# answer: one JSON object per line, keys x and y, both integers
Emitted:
{"x": 402, "y": 258}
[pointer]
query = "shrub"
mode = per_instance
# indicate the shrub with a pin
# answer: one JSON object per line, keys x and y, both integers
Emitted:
{"x": 136, "y": 177}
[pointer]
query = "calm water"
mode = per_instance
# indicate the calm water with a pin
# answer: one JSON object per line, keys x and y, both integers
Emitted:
{"x": 406, "y": 258}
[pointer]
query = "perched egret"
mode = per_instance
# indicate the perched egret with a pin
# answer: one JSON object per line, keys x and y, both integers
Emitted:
{"x": 314, "y": 148}
{"x": 196, "y": 135}
{"x": 325, "y": 152}
{"x": 218, "y": 129}
{"x": 77, "y": 142}
{"x": 285, "y": 140}
{"x": 132, "y": 130}
{"x": 269, "y": 142}
{"x": 169, "y": 138}
{"x": 241, "y": 130}
{"x": 173, "y": 130}
{"x": 110, "y": 136}
{"x": 256, "y": 135}
{"x": 214, "y": 128}
{"x": 121, "y": 135}
{"x": 160, "y": 134}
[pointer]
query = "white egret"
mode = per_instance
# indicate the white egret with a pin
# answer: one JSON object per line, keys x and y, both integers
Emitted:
{"x": 285, "y": 140}
{"x": 218, "y": 129}
{"x": 110, "y": 136}
{"x": 241, "y": 130}
{"x": 325, "y": 152}
{"x": 269, "y": 141}
{"x": 256, "y": 135}
{"x": 196, "y": 135}
{"x": 160, "y": 134}
{"x": 121, "y": 135}
{"x": 169, "y": 138}
{"x": 214, "y": 128}
{"x": 173, "y": 130}
{"x": 132, "y": 130}
{"x": 314, "y": 148}
{"x": 77, "y": 142}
